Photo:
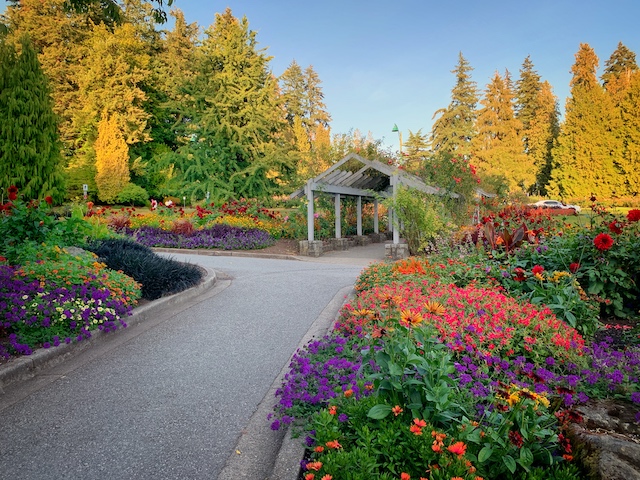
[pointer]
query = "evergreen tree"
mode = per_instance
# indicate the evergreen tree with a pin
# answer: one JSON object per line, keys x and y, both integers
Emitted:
{"x": 234, "y": 119}
{"x": 112, "y": 159}
{"x": 455, "y": 125}
{"x": 29, "y": 144}
{"x": 497, "y": 147}
{"x": 587, "y": 145}
{"x": 527, "y": 91}
{"x": 543, "y": 131}
{"x": 618, "y": 69}
{"x": 629, "y": 161}
{"x": 416, "y": 152}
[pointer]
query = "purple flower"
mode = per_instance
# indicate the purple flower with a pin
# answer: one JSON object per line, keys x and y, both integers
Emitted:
{"x": 635, "y": 397}
{"x": 343, "y": 417}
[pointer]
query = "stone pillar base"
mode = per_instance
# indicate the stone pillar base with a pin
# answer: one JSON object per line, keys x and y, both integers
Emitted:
{"x": 362, "y": 240}
{"x": 311, "y": 249}
{"x": 396, "y": 251}
{"x": 377, "y": 237}
{"x": 339, "y": 244}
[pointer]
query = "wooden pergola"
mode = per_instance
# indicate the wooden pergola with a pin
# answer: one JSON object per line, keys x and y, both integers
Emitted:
{"x": 358, "y": 177}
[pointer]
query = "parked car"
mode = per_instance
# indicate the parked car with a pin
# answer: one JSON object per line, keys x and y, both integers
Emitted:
{"x": 555, "y": 204}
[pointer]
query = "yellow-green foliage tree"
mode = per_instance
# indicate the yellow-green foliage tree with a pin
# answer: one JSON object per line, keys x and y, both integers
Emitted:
{"x": 587, "y": 147}
{"x": 497, "y": 147}
{"x": 112, "y": 159}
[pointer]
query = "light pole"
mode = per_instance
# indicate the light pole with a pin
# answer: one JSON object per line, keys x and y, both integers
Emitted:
{"x": 395, "y": 129}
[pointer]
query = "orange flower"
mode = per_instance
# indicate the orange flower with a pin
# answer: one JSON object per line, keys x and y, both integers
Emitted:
{"x": 458, "y": 448}
{"x": 415, "y": 430}
{"x": 309, "y": 476}
{"x": 397, "y": 410}
{"x": 348, "y": 393}
{"x": 457, "y": 478}
{"x": 405, "y": 476}
{"x": 314, "y": 466}
{"x": 327, "y": 477}
{"x": 319, "y": 449}
{"x": 435, "y": 307}
{"x": 333, "y": 444}
{"x": 333, "y": 410}
{"x": 437, "y": 447}
{"x": 420, "y": 423}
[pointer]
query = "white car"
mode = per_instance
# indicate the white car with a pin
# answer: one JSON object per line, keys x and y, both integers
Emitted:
{"x": 555, "y": 204}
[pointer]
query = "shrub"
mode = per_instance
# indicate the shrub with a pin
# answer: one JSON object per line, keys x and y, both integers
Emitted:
{"x": 134, "y": 195}
{"x": 159, "y": 276}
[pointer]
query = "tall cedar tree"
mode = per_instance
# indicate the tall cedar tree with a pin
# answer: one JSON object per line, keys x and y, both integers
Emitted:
{"x": 455, "y": 126}
{"x": 112, "y": 159}
{"x": 497, "y": 147}
{"x": 29, "y": 144}
{"x": 235, "y": 120}
{"x": 587, "y": 145}
{"x": 621, "y": 79}
{"x": 416, "y": 151}
{"x": 629, "y": 161}
{"x": 307, "y": 118}
{"x": 537, "y": 110}
{"x": 543, "y": 131}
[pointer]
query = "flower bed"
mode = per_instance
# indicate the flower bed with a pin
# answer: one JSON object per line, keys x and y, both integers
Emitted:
{"x": 426, "y": 379}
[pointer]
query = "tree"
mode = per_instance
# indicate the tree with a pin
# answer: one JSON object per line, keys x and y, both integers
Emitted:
{"x": 416, "y": 152}
{"x": 587, "y": 146}
{"x": 455, "y": 125}
{"x": 542, "y": 133}
{"x": 112, "y": 159}
{"x": 58, "y": 37}
{"x": 497, "y": 147}
{"x": 618, "y": 69}
{"x": 629, "y": 161}
{"x": 235, "y": 122}
{"x": 527, "y": 94}
{"x": 29, "y": 144}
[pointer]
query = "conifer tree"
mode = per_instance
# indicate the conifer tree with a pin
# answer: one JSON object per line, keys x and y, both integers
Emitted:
{"x": 233, "y": 117}
{"x": 416, "y": 152}
{"x": 629, "y": 160}
{"x": 455, "y": 126}
{"x": 618, "y": 69}
{"x": 527, "y": 90}
{"x": 29, "y": 144}
{"x": 543, "y": 131}
{"x": 587, "y": 145}
{"x": 112, "y": 159}
{"x": 497, "y": 147}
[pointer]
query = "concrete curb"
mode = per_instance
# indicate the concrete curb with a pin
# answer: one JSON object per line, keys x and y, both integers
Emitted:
{"x": 226, "y": 253}
{"x": 26, "y": 367}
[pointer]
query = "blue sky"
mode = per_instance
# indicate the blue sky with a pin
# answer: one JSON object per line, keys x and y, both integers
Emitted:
{"x": 385, "y": 63}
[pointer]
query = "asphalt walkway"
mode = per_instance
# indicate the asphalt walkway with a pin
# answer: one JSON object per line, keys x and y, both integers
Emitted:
{"x": 183, "y": 392}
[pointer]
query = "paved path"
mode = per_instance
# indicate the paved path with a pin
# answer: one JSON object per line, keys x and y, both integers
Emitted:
{"x": 169, "y": 398}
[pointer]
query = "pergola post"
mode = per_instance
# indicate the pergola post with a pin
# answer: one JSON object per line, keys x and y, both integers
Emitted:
{"x": 310, "y": 226}
{"x": 359, "y": 217}
{"x": 338, "y": 216}
{"x": 396, "y": 229}
{"x": 376, "y": 228}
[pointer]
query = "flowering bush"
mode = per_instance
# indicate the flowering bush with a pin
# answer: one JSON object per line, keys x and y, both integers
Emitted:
{"x": 45, "y": 303}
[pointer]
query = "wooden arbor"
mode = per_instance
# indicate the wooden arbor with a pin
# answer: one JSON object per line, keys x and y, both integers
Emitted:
{"x": 361, "y": 178}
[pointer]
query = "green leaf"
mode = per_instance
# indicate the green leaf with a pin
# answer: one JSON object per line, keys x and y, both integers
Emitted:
{"x": 510, "y": 463}
{"x": 485, "y": 454}
{"x": 526, "y": 457}
{"x": 395, "y": 369}
{"x": 378, "y": 412}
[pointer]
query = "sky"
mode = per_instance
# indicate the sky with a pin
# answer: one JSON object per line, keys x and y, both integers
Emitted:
{"x": 386, "y": 63}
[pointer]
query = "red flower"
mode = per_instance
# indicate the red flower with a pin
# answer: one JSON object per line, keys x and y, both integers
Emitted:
{"x": 519, "y": 275}
{"x": 633, "y": 215}
{"x": 538, "y": 269}
{"x": 573, "y": 267}
{"x": 603, "y": 241}
{"x": 615, "y": 227}
{"x": 516, "y": 439}
{"x": 48, "y": 199}
{"x": 13, "y": 192}
{"x": 2, "y": 259}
